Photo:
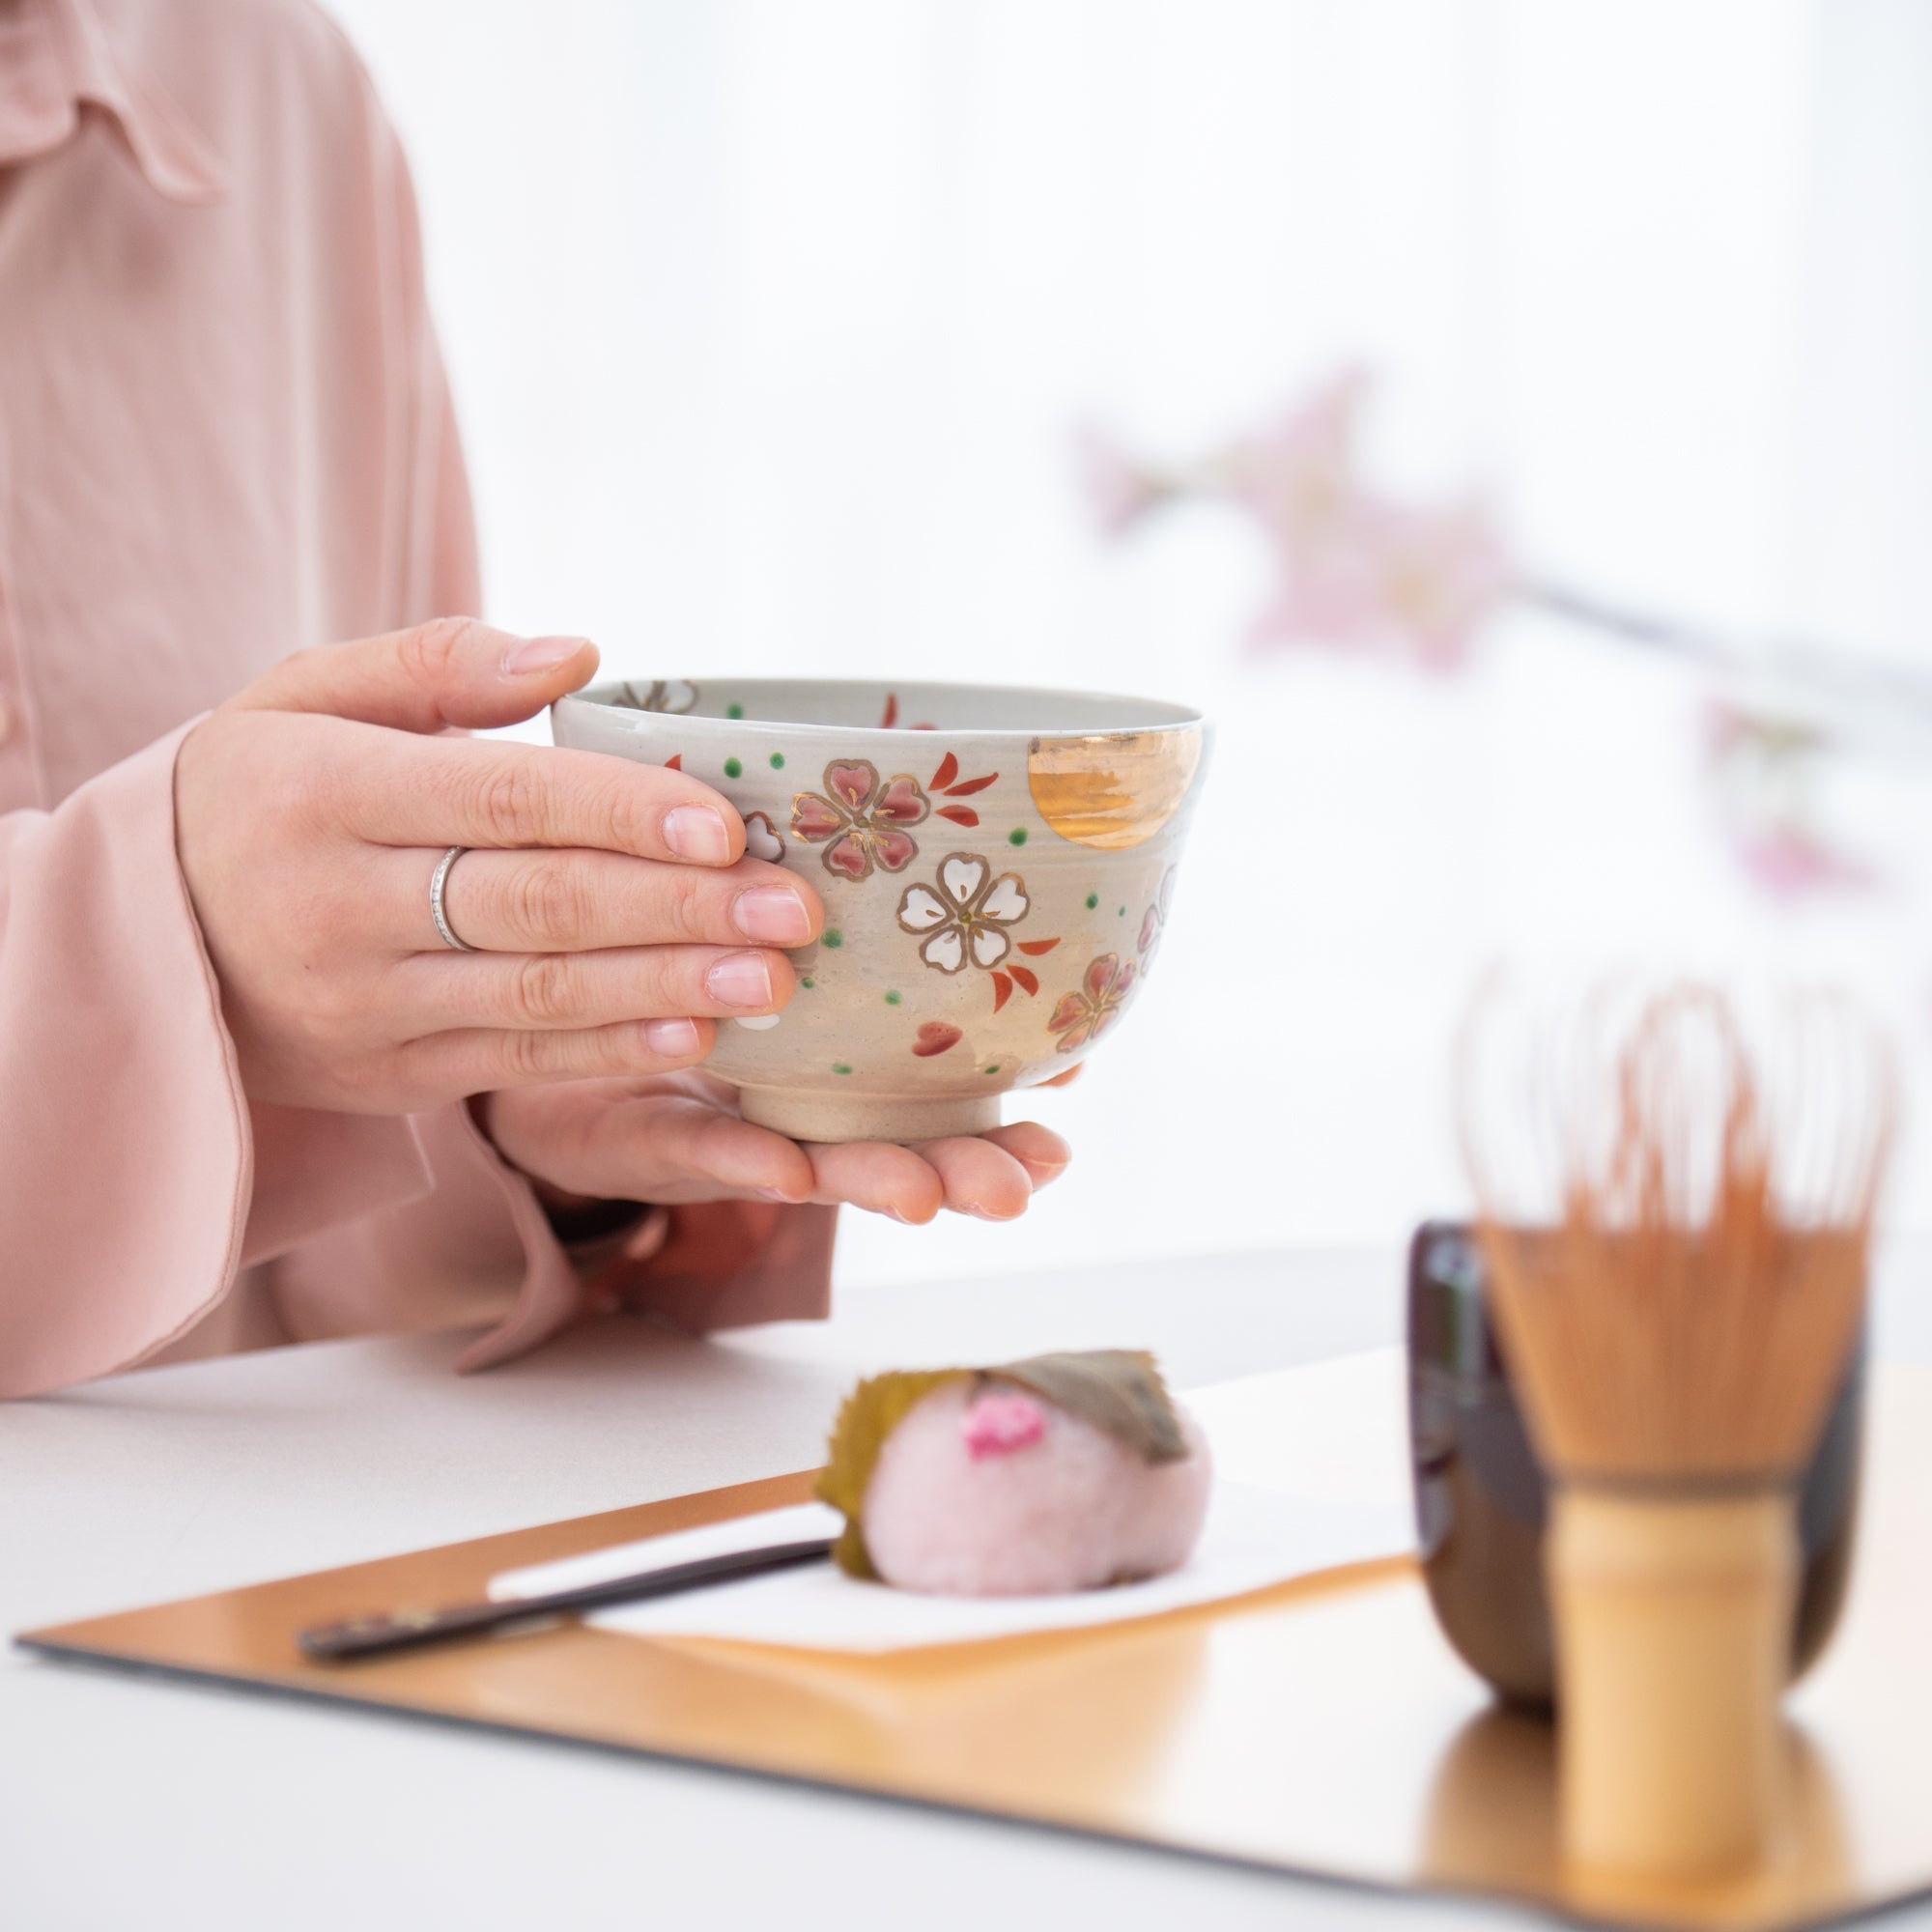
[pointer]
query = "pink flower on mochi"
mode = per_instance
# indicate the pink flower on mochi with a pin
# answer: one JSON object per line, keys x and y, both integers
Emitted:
{"x": 864, "y": 817}
{"x": 1001, "y": 1420}
{"x": 1086, "y": 1014}
{"x": 966, "y": 918}
{"x": 1153, "y": 922}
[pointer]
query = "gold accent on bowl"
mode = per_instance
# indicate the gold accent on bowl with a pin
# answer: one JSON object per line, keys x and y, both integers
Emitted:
{"x": 1115, "y": 790}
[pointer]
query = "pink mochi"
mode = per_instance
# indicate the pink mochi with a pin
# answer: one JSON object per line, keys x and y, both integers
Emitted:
{"x": 989, "y": 1490}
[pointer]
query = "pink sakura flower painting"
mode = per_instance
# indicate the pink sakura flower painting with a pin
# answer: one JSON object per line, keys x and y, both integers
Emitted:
{"x": 861, "y": 820}
{"x": 1153, "y": 921}
{"x": 1084, "y": 1015}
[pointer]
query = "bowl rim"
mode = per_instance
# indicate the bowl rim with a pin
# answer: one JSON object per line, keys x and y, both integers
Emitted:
{"x": 1178, "y": 717}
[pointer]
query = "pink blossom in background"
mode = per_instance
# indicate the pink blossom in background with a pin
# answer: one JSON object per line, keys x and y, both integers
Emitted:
{"x": 1298, "y": 478}
{"x": 1355, "y": 569}
{"x": 1761, "y": 769}
{"x": 1120, "y": 491}
{"x": 1358, "y": 569}
{"x": 1789, "y": 861}
{"x": 1415, "y": 583}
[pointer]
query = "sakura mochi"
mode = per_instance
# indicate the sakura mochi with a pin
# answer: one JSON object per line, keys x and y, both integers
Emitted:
{"x": 1058, "y": 1473}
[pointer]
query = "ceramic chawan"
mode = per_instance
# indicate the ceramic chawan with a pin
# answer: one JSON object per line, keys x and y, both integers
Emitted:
{"x": 997, "y": 867}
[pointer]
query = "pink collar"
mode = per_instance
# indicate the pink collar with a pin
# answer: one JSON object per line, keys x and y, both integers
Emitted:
{"x": 58, "y": 58}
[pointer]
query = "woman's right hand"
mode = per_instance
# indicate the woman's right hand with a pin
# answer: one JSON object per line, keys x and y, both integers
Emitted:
{"x": 613, "y": 910}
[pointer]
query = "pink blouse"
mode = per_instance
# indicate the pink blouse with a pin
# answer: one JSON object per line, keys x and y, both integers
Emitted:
{"x": 225, "y": 435}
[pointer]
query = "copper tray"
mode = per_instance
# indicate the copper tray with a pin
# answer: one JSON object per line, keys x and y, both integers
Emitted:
{"x": 1320, "y": 1728}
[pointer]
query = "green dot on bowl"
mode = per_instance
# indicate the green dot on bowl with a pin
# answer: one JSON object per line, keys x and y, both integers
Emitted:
{"x": 778, "y": 761}
{"x": 892, "y": 999}
{"x": 840, "y": 1066}
{"x": 1018, "y": 836}
{"x": 1092, "y": 900}
{"x": 734, "y": 711}
{"x": 808, "y": 984}
{"x": 833, "y": 938}
{"x": 1124, "y": 912}
{"x": 734, "y": 768}
{"x": 994, "y": 1069}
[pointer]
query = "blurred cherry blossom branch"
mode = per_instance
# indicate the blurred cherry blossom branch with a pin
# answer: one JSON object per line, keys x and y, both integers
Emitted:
{"x": 1358, "y": 569}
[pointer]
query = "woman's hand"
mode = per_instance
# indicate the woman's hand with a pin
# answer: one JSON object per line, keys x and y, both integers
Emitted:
{"x": 613, "y": 906}
{"x": 678, "y": 1139}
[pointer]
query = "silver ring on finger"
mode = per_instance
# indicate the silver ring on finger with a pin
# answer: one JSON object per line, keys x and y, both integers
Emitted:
{"x": 439, "y": 879}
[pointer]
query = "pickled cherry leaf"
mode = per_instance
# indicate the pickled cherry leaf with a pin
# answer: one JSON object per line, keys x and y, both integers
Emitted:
{"x": 865, "y": 1418}
{"x": 1120, "y": 1391}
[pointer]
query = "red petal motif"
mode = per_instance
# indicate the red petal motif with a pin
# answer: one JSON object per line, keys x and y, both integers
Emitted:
{"x": 960, "y": 814}
{"x": 937, "y": 1037}
{"x": 949, "y": 770}
{"x": 1002, "y": 990}
{"x": 890, "y": 714}
{"x": 1026, "y": 977}
{"x": 852, "y": 784}
{"x": 675, "y": 762}
{"x": 970, "y": 785}
{"x": 814, "y": 818}
{"x": 849, "y": 856}
{"x": 1071, "y": 1009}
{"x": 896, "y": 850}
{"x": 1034, "y": 948}
{"x": 902, "y": 802}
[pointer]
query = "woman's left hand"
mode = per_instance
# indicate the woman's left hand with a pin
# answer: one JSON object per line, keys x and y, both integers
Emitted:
{"x": 677, "y": 1138}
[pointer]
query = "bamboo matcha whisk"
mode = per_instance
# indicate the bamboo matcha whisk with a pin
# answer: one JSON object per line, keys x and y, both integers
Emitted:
{"x": 1676, "y": 1230}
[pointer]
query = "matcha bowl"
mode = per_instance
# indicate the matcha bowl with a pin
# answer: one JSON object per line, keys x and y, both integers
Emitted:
{"x": 997, "y": 864}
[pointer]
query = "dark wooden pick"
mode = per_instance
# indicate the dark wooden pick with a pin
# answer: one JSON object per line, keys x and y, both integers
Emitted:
{"x": 405, "y": 1629}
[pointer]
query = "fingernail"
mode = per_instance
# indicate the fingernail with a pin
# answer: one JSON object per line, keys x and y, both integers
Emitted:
{"x": 772, "y": 915}
{"x": 673, "y": 1038}
{"x": 778, "y": 1194}
{"x": 740, "y": 980}
{"x": 696, "y": 832}
{"x": 537, "y": 654}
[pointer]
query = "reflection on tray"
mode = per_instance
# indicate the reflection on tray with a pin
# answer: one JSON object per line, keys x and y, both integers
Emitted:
{"x": 1491, "y": 1827}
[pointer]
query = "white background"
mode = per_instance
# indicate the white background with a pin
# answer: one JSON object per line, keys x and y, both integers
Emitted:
{"x": 769, "y": 322}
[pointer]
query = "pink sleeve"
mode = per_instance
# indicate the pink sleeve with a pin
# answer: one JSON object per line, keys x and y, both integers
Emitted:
{"x": 136, "y": 1181}
{"x": 127, "y": 1162}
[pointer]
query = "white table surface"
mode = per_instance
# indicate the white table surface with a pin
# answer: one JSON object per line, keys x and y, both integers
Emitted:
{"x": 126, "y": 1802}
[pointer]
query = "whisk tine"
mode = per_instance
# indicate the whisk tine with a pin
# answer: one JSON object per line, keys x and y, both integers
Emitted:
{"x": 1686, "y": 1307}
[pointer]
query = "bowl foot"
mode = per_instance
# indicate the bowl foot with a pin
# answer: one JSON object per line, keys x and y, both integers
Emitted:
{"x": 803, "y": 1116}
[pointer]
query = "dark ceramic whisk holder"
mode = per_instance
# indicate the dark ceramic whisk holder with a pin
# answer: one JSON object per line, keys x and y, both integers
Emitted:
{"x": 1479, "y": 1498}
